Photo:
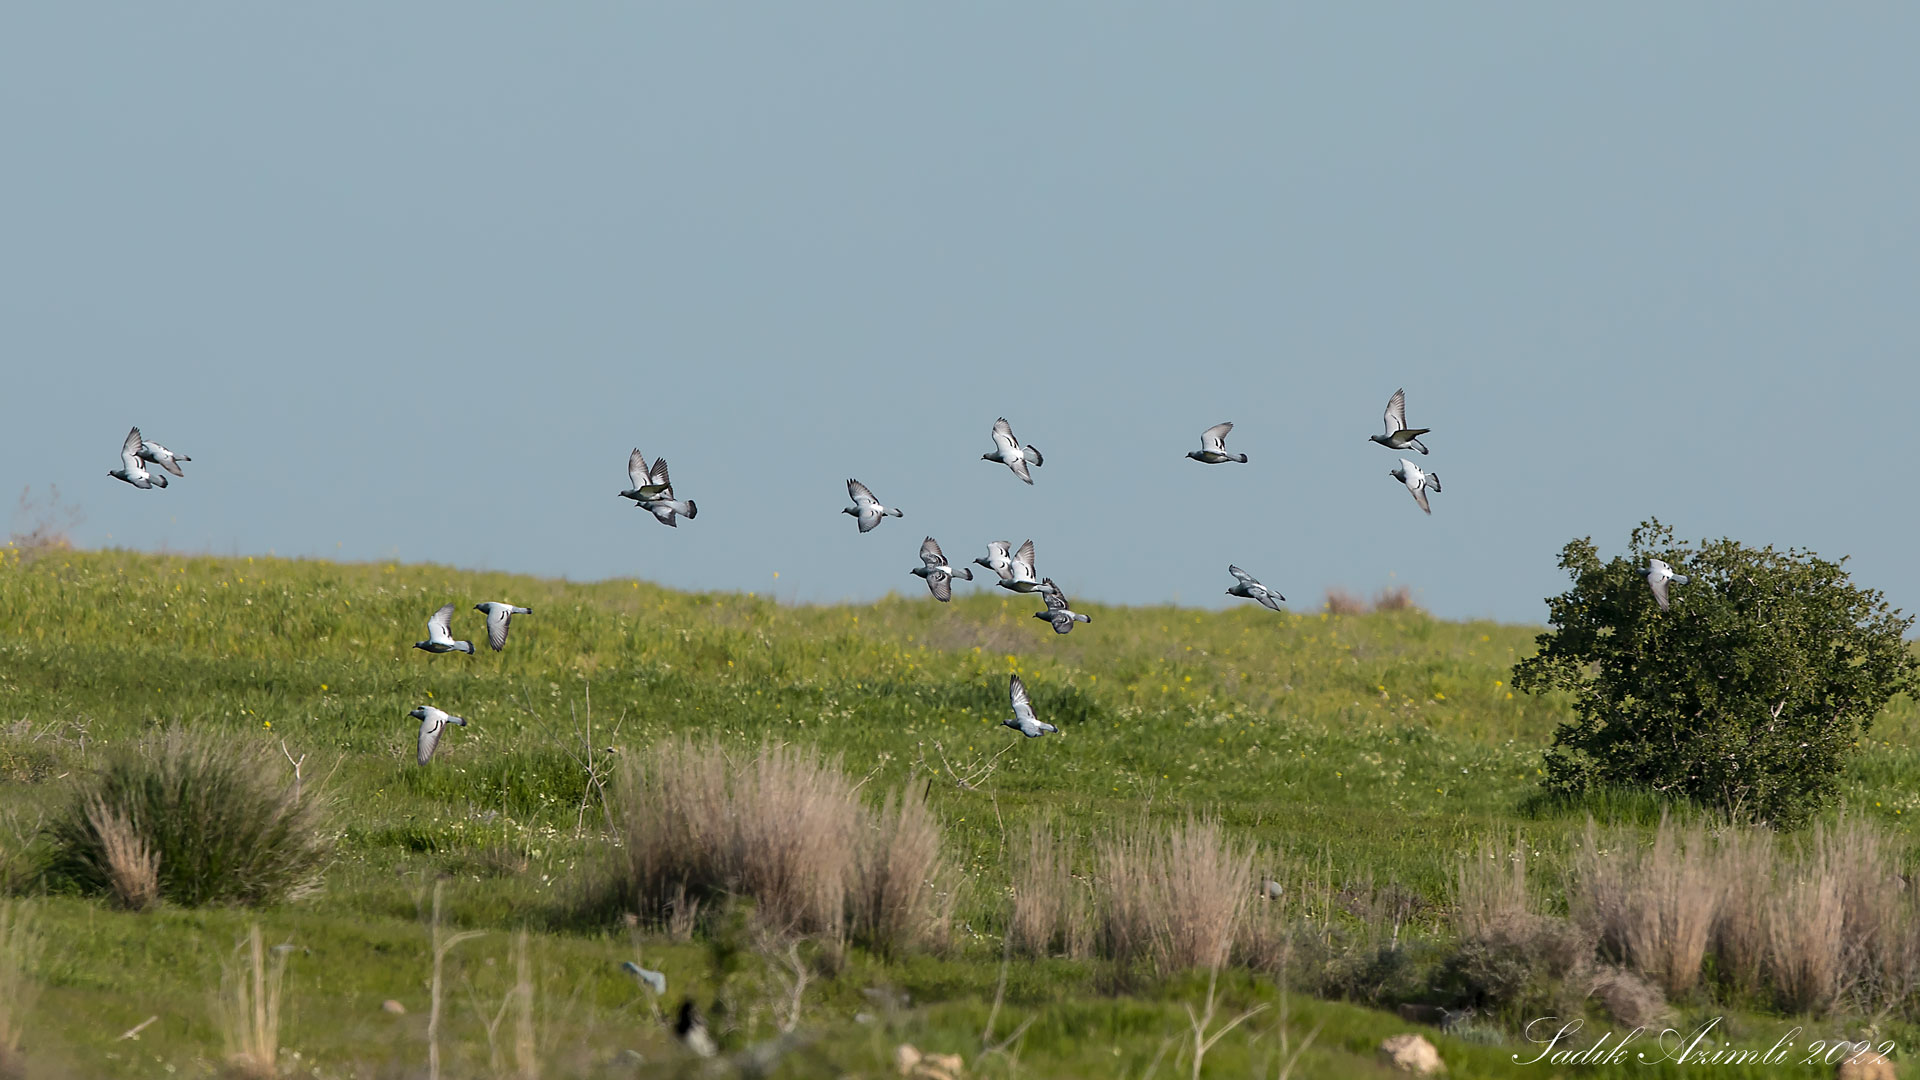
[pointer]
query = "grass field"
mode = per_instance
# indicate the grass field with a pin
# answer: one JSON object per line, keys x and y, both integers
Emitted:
{"x": 1360, "y": 752}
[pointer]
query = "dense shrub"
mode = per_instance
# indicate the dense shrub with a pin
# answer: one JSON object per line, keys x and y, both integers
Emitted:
{"x": 207, "y": 819}
{"x": 1747, "y": 695}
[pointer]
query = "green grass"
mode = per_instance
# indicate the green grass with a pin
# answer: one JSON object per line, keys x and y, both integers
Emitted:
{"x": 1377, "y": 747}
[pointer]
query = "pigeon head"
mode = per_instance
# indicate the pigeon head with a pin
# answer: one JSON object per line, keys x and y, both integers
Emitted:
{"x": 419, "y": 712}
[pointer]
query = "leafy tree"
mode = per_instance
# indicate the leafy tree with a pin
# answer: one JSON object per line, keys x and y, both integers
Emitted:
{"x": 1749, "y": 694}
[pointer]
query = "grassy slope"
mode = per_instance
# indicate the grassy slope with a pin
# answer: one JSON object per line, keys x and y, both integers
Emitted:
{"x": 1382, "y": 745}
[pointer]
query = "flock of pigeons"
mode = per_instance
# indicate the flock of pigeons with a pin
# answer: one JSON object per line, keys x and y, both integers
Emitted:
{"x": 651, "y": 489}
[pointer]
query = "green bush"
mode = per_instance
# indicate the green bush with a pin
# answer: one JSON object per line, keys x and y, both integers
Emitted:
{"x": 218, "y": 820}
{"x": 1748, "y": 695}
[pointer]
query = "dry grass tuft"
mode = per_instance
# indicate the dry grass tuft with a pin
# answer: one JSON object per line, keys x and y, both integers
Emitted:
{"x": 1510, "y": 955}
{"x": 1394, "y": 598}
{"x": 1341, "y": 602}
{"x": 1632, "y": 1001}
{"x": 786, "y": 828}
{"x": 1745, "y": 859}
{"x": 20, "y": 946}
{"x": 1175, "y": 898}
{"x": 900, "y": 892}
{"x": 1052, "y": 910}
{"x": 247, "y": 1010}
{"x": 1652, "y": 908}
{"x": 132, "y": 869}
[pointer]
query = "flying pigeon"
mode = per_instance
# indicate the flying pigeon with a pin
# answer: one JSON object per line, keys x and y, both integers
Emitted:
{"x": 440, "y": 634}
{"x": 1250, "y": 587}
{"x": 662, "y": 505}
{"x": 1658, "y": 574}
{"x": 866, "y": 507}
{"x": 653, "y": 980}
{"x": 645, "y": 484}
{"x": 1057, "y": 611}
{"x": 1213, "y": 446}
{"x": 432, "y": 723}
{"x": 937, "y": 572}
{"x": 999, "y": 558}
{"x": 131, "y": 470}
{"x": 1020, "y": 576}
{"x": 1023, "y": 720}
{"x": 498, "y": 616}
{"x": 1399, "y": 436}
{"x": 161, "y": 456}
{"x": 1417, "y": 482}
{"x": 1009, "y": 452}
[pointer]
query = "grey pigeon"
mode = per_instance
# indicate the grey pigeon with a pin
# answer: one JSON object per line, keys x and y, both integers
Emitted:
{"x": 1658, "y": 574}
{"x": 865, "y": 507}
{"x": 131, "y": 470}
{"x": 999, "y": 558}
{"x": 662, "y": 505}
{"x": 498, "y": 617}
{"x": 161, "y": 456}
{"x": 938, "y": 573}
{"x": 1418, "y": 483}
{"x": 1057, "y": 613}
{"x": 653, "y": 980}
{"x": 432, "y": 722}
{"x": 644, "y": 484}
{"x": 1399, "y": 436}
{"x": 1271, "y": 889}
{"x": 1008, "y": 451}
{"x": 1250, "y": 587}
{"x": 1023, "y": 720}
{"x": 440, "y": 634}
{"x": 1020, "y": 576}
{"x": 1213, "y": 446}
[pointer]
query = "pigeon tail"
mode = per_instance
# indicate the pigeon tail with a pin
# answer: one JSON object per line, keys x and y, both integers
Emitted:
{"x": 1679, "y": 579}
{"x": 966, "y": 574}
{"x": 890, "y": 510}
{"x": 692, "y": 510}
{"x": 1032, "y": 453}
{"x": 1417, "y": 444}
{"x": 1241, "y": 458}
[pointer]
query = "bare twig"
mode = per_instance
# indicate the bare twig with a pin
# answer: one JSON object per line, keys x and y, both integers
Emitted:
{"x": 1203, "y": 1042}
{"x": 134, "y": 1031}
{"x": 441, "y": 947}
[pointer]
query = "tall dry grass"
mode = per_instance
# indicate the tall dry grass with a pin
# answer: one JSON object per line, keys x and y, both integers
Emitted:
{"x": 1052, "y": 909}
{"x": 1509, "y": 954}
{"x": 20, "y": 947}
{"x": 132, "y": 868}
{"x": 1174, "y": 897}
{"x": 785, "y": 827}
{"x": 247, "y": 1008}
{"x": 1652, "y": 908}
{"x": 901, "y": 895}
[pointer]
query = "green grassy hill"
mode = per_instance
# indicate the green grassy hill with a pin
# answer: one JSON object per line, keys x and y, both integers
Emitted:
{"x": 1377, "y": 749}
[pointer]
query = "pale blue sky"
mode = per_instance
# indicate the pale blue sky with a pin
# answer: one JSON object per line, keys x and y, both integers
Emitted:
{"x": 410, "y": 280}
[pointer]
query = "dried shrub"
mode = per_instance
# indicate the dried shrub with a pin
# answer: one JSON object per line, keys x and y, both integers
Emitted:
{"x": 1341, "y": 602}
{"x": 1394, "y": 598}
{"x": 786, "y": 828}
{"x": 1173, "y": 897}
{"x": 1652, "y": 908}
{"x": 1745, "y": 865}
{"x": 1510, "y": 956}
{"x": 220, "y": 819}
{"x": 1051, "y": 907}
{"x": 247, "y": 1009}
{"x": 1805, "y": 924}
{"x": 1632, "y": 1001}
{"x": 900, "y": 892}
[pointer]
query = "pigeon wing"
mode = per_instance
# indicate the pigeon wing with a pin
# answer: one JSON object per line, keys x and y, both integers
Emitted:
{"x": 869, "y": 517}
{"x": 1022, "y": 704}
{"x": 1659, "y": 586}
{"x": 940, "y": 585}
{"x": 1003, "y": 438}
{"x": 1244, "y": 577}
{"x": 863, "y": 499}
{"x": 1420, "y": 496}
{"x": 637, "y": 469}
{"x": 1056, "y": 600}
{"x": 498, "y": 616}
{"x": 1215, "y": 437}
{"x": 1023, "y": 562}
{"x": 1019, "y": 467}
{"x": 167, "y": 461}
{"x": 661, "y": 480}
{"x": 130, "y": 452}
{"x": 430, "y": 729}
{"x": 930, "y": 552}
{"x": 440, "y": 627}
{"x": 1396, "y": 416}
